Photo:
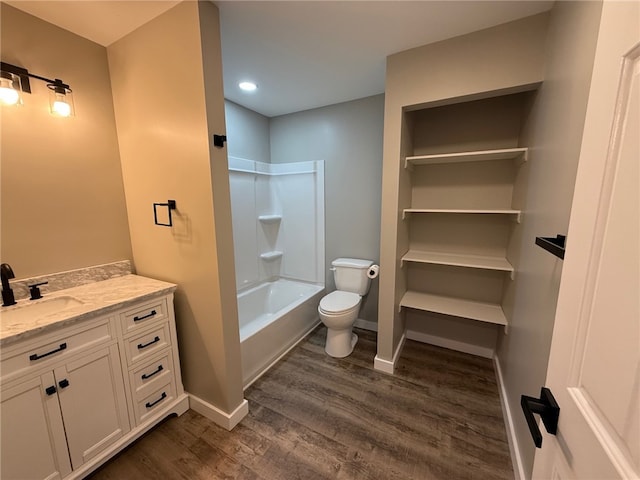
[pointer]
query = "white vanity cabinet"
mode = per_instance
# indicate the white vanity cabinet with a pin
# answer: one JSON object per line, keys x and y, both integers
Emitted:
{"x": 73, "y": 396}
{"x": 63, "y": 408}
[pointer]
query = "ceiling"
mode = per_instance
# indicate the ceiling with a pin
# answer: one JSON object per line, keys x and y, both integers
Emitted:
{"x": 301, "y": 54}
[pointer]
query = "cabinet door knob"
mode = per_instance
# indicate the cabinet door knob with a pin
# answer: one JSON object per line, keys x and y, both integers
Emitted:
{"x": 50, "y": 390}
{"x": 64, "y": 383}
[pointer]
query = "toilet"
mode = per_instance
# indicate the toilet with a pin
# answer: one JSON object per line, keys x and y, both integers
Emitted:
{"x": 339, "y": 309}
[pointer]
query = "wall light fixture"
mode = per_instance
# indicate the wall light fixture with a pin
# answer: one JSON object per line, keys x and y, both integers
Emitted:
{"x": 14, "y": 81}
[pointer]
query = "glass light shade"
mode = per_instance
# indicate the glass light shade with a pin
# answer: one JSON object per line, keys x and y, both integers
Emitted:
{"x": 10, "y": 89}
{"x": 61, "y": 102}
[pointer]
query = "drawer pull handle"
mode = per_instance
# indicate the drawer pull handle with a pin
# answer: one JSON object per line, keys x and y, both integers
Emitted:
{"x": 145, "y": 376}
{"x": 50, "y": 390}
{"x": 149, "y": 315}
{"x": 64, "y": 383}
{"x": 145, "y": 345}
{"x": 151, "y": 404}
{"x": 35, "y": 356}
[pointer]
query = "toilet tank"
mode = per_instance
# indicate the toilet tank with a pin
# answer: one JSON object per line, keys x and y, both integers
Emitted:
{"x": 350, "y": 275}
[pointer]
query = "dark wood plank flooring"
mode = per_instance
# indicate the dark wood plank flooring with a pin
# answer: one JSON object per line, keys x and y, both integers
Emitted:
{"x": 316, "y": 417}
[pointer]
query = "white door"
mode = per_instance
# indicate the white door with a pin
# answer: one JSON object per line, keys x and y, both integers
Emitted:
{"x": 594, "y": 365}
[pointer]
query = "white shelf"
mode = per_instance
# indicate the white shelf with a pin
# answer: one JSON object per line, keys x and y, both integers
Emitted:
{"x": 517, "y": 154}
{"x": 271, "y": 256}
{"x": 483, "y": 312}
{"x": 517, "y": 213}
{"x": 270, "y": 218}
{"x": 459, "y": 260}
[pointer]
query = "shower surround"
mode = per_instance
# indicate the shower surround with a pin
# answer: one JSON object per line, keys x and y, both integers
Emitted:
{"x": 278, "y": 234}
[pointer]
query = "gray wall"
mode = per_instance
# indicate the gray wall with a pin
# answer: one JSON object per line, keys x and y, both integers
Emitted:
{"x": 348, "y": 137}
{"x": 247, "y": 133}
{"x": 554, "y": 135}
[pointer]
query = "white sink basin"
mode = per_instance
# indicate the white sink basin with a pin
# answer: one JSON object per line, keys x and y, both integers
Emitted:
{"x": 38, "y": 308}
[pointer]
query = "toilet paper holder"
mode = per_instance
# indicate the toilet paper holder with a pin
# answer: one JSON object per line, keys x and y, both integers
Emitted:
{"x": 373, "y": 271}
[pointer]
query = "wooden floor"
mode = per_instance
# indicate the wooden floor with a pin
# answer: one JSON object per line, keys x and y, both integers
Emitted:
{"x": 315, "y": 417}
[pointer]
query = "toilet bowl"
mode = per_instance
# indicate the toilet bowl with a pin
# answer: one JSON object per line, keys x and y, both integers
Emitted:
{"x": 339, "y": 309}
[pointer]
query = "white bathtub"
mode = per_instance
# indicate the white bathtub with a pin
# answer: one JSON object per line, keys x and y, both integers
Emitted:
{"x": 273, "y": 317}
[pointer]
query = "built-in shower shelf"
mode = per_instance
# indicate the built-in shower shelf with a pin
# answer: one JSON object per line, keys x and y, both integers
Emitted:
{"x": 271, "y": 256}
{"x": 270, "y": 218}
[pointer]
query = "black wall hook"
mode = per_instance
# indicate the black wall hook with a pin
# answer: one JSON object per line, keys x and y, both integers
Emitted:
{"x": 218, "y": 140}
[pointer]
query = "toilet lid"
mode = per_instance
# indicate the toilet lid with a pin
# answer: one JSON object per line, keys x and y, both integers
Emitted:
{"x": 339, "y": 301}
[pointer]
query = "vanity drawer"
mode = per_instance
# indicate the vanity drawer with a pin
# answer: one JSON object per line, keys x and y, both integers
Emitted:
{"x": 143, "y": 315}
{"x": 152, "y": 375}
{"x": 146, "y": 344}
{"x": 34, "y": 353}
{"x": 155, "y": 401}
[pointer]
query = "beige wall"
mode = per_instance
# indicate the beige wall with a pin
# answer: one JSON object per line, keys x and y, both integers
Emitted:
{"x": 165, "y": 117}
{"x": 63, "y": 204}
{"x": 554, "y": 135}
{"x": 505, "y": 58}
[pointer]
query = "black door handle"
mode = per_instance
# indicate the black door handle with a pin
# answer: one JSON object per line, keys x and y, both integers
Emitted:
{"x": 548, "y": 409}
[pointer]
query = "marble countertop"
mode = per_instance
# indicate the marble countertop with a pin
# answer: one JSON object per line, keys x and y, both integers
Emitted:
{"x": 98, "y": 298}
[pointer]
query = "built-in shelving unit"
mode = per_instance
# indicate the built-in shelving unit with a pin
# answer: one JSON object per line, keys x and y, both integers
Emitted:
{"x": 457, "y": 307}
{"x": 517, "y": 154}
{"x": 460, "y": 203}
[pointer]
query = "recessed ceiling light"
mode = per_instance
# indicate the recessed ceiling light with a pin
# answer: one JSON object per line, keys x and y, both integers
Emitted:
{"x": 247, "y": 86}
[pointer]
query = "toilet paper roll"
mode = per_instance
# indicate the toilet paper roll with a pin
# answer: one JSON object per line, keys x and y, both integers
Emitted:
{"x": 374, "y": 271}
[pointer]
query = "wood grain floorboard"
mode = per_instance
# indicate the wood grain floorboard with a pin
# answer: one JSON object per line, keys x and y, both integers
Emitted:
{"x": 316, "y": 417}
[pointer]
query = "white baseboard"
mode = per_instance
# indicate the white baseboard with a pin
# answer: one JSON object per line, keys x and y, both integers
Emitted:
{"x": 514, "y": 449}
{"x": 450, "y": 344}
{"x": 383, "y": 365}
{"x": 366, "y": 325}
{"x": 225, "y": 420}
{"x": 387, "y": 366}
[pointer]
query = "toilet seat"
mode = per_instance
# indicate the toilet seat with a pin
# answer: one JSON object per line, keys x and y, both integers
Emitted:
{"x": 339, "y": 302}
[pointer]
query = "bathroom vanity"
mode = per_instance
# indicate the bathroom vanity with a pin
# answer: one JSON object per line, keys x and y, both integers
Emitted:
{"x": 83, "y": 373}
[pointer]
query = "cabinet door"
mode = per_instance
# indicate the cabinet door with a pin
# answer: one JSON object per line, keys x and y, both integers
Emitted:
{"x": 33, "y": 440}
{"x": 92, "y": 400}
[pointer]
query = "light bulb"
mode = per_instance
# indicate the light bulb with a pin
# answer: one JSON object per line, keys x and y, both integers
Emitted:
{"x": 8, "y": 94}
{"x": 61, "y": 107}
{"x": 247, "y": 86}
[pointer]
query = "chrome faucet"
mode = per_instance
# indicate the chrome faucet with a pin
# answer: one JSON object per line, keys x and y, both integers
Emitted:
{"x": 6, "y": 272}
